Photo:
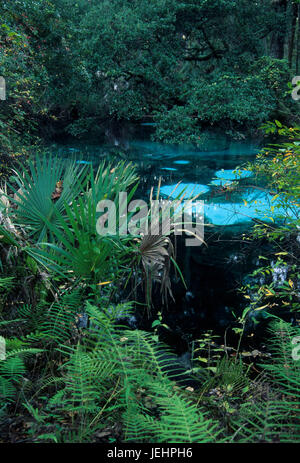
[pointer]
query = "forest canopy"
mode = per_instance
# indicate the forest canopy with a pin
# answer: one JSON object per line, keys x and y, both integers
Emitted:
{"x": 187, "y": 66}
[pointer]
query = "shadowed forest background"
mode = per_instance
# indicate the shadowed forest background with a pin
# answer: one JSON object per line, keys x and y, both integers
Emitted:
{"x": 76, "y": 66}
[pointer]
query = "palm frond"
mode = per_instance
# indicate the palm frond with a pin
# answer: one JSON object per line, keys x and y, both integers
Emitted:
{"x": 35, "y": 207}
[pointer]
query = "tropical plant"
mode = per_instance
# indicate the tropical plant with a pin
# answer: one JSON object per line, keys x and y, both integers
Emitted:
{"x": 272, "y": 287}
{"x": 272, "y": 415}
{"x": 126, "y": 375}
{"x": 12, "y": 370}
{"x": 44, "y": 191}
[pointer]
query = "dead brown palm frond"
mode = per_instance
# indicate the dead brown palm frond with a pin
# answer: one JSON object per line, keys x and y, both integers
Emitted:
{"x": 156, "y": 253}
{"x": 155, "y": 250}
{"x": 169, "y": 220}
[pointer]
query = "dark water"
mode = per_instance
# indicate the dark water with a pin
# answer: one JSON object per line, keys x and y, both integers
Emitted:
{"x": 213, "y": 273}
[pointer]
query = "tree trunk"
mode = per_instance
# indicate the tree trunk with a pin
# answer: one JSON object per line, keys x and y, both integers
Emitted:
{"x": 292, "y": 34}
{"x": 298, "y": 44}
{"x": 278, "y": 36}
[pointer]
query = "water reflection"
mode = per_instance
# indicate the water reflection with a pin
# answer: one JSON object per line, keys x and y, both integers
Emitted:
{"x": 229, "y": 197}
{"x": 190, "y": 190}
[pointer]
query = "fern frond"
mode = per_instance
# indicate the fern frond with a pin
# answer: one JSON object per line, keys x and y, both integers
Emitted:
{"x": 179, "y": 420}
{"x": 275, "y": 416}
{"x": 156, "y": 357}
{"x": 60, "y": 318}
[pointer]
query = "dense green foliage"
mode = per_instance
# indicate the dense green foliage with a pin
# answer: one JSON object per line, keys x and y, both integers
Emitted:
{"x": 278, "y": 168}
{"x": 186, "y": 65}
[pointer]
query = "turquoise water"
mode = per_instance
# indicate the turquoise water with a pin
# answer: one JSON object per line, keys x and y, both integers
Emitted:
{"x": 203, "y": 171}
{"x": 190, "y": 190}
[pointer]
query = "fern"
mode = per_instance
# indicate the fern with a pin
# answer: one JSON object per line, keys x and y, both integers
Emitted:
{"x": 177, "y": 420}
{"x": 103, "y": 377}
{"x": 59, "y": 321}
{"x": 273, "y": 415}
{"x": 230, "y": 376}
{"x": 12, "y": 370}
{"x": 157, "y": 358}
{"x": 33, "y": 316}
{"x": 80, "y": 392}
{"x": 7, "y": 283}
